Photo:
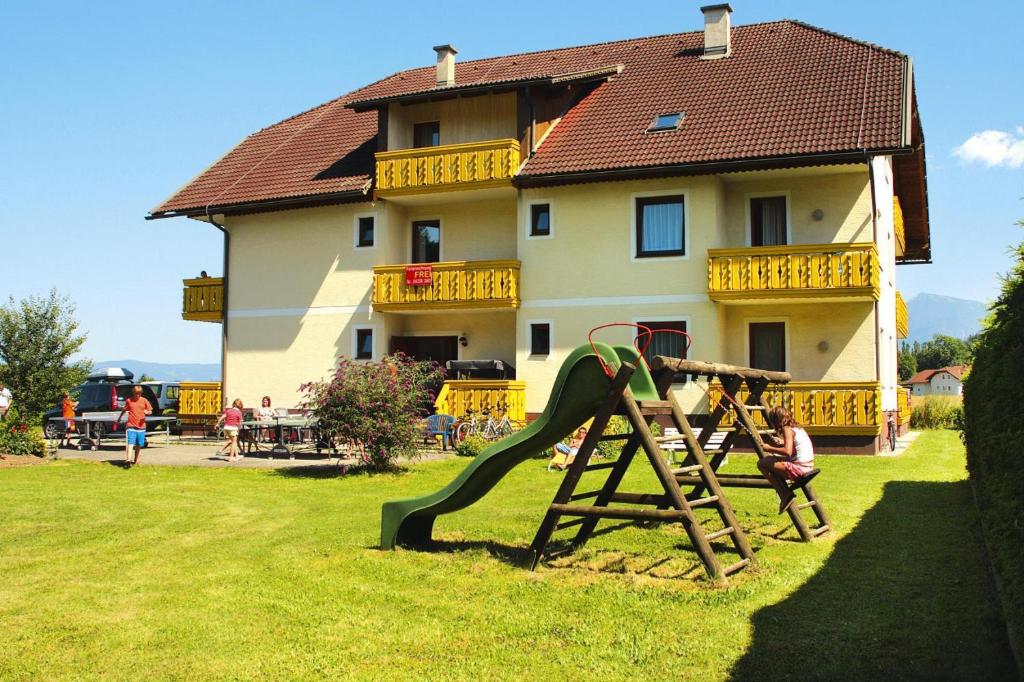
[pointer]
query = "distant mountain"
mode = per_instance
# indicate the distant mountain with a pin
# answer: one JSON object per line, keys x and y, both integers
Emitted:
{"x": 931, "y": 314}
{"x": 163, "y": 371}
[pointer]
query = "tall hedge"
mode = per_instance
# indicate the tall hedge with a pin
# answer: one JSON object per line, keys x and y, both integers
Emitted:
{"x": 993, "y": 427}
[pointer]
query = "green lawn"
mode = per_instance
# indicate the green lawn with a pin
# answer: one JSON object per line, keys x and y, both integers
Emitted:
{"x": 189, "y": 573}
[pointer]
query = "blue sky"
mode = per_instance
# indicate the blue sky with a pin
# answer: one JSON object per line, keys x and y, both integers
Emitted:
{"x": 107, "y": 108}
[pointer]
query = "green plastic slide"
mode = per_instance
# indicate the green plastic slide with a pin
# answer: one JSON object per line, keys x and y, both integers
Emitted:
{"x": 578, "y": 392}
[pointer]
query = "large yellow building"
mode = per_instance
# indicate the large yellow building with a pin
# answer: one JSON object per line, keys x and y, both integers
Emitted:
{"x": 754, "y": 186}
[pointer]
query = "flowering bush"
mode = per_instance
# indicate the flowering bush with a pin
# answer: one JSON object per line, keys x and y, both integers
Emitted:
{"x": 18, "y": 438}
{"x": 472, "y": 445}
{"x": 375, "y": 406}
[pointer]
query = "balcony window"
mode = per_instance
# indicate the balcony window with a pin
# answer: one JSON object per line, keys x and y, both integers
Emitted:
{"x": 768, "y": 346}
{"x": 660, "y": 228}
{"x": 364, "y": 231}
{"x": 768, "y": 221}
{"x": 540, "y": 220}
{"x": 666, "y": 343}
{"x": 426, "y": 134}
{"x": 540, "y": 338}
{"x": 426, "y": 241}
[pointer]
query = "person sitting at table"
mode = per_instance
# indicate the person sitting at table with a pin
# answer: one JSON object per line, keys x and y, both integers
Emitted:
{"x": 265, "y": 414}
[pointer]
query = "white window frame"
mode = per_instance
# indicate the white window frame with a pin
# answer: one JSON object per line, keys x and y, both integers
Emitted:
{"x": 528, "y": 339}
{"x": 749, "y": 234}
{"x": 687, "y": 225}
{"x": 376, "y": 231}
{"x": 746, "y": 338}
{"x": 373, "y": 338}
{"x": 408, "y": 242}
{"x": 528, "y": 219}
{"x": 685, "y": 319}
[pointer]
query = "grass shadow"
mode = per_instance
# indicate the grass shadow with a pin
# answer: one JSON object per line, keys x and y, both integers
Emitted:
{"x": 515, "y": 555}
{"x": 327, "y": 470}
{"x": 910, "y": 580}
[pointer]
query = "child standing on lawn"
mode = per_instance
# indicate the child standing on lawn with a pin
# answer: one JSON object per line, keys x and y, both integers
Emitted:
{"x": 67, "y": 412}
{"x": 793, "y": 458}
{"x": 138, "y": 408}
{"x": 232, "y": 420}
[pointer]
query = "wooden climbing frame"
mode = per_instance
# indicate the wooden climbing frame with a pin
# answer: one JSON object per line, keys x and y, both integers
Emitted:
{"x": 665, "y": 369}
{"x": 670, "y": 504}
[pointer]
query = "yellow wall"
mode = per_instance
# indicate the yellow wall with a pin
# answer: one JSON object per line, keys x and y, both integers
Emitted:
{"x": 489, "y": 335}
{"x": 470, "y": 230}
{"x": 470, "y": 119}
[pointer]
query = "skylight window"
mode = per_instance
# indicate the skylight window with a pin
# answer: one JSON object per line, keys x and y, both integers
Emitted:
{"x": 664, "y": 122}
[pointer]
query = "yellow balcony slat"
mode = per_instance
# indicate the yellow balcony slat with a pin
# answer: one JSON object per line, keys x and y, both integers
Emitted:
{"x": 903, "y": 404}
{"x": 203, "y": 299}
{"x": 899, "y": 229}
{"x": 473, "y": 165}
{"x": 458, "y": 396}
{"x": 454, "y": 284}
{"x": 902, "y": 317}
{"x": 823, "y": 408}
{"x": 200, "y": 398}
{"x": 790, "y": 272}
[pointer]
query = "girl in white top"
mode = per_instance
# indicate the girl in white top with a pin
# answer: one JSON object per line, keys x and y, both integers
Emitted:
{"x": 793, "y": 458}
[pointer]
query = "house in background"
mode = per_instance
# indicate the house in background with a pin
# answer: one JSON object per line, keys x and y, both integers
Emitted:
{"x": 754, "y": 186}
{"x": 943, "y": 381}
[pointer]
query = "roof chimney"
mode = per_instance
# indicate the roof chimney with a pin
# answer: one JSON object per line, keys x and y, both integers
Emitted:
{"x": 717, "y": 43}
{"x": 445, "y": 65}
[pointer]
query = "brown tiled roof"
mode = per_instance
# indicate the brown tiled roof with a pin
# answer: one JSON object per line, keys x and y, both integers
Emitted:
{"x": 788, "y": 89}
{"x": 925, "y": 375}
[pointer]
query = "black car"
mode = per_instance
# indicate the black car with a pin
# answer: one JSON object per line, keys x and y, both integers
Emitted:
{"x": 94, "y": 396}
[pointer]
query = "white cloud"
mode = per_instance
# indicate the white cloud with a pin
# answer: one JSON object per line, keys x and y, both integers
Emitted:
{"x": 994, "y": 148}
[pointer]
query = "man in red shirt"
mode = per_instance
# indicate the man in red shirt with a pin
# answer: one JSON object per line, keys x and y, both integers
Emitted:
{"x": 138, "y": 408}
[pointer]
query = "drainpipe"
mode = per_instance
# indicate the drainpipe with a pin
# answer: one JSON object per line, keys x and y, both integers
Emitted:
{"x": 224, "y": 304}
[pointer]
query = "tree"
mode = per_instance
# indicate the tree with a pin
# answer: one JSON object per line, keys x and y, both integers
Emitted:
{"x": 145, "y": 377}
{"x": 907, "y": 362}
{"x": 943, "y": 351}
{"x": 38, "y": 336}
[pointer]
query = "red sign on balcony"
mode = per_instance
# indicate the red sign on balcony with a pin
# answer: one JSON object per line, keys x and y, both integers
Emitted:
{"x": 419, "y": 275}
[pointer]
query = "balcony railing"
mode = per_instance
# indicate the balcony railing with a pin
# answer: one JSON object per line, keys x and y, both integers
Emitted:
{"x": 899, "y": 228}
{"x": 459, "y": 396}
{"x": 903, "y": 404}
{"x": 454, "y": 284}
{"x": 823, "y": 408}
{"x": 791, "y": 272}
{"x": 902, "y": 317}
{"x": 203, "y": 299}
{"x": 475, "y": 165}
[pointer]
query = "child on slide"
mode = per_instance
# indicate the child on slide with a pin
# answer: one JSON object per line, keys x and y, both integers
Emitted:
{"x": 793, "y": 456}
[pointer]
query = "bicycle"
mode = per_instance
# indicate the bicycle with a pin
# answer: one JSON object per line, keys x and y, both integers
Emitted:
{"x": 892, "y": 433}
{"x": 490, "y": 430}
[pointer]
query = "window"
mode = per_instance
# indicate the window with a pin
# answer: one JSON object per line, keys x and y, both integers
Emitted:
{"x": 660, "y": 229}
{"x": 665, "y": 122}
{"x": 540, "y": 220}
{"x": 426, "y": 134}
{"x": 666, "y": 343}
{"x": 540, "y": 338}
{"x": 768, "y": 221}
{"x": 364, "y": 231}
{"x": 173, "y": 392}
{"x": 768, "y": 346}
{"x": 364, "y": 344}
{"x": 426, "y": 241}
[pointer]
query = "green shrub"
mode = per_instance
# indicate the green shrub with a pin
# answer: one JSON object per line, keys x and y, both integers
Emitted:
{"x": 935, "y": 412}
{"x": 17, "y": 437}
{"x": 472, "y": 445}
{"x": 994, "y": 436}
{"x": 619, "y": 424}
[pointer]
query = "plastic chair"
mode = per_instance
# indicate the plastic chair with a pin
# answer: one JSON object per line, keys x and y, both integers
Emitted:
{"x": 440, "y": 425}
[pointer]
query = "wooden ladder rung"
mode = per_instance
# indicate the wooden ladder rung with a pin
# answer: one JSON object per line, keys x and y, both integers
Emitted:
{"x": 681, "y": 471}
{"x": 570, "y": 524}
{"x": 823, "y": 529}
{"x": 728, "y": 530}
{"x": 583, "y": 496}
{"x": 714, "y": 451}
{"x": 654, "y": 407}
{"x": 616, "y": 436}
{"x": 729, "y": 570}
{"x": 710, "y": 499}
{"x": 618, "y": 513}
{"x": 754, "y": 407}
{"x": 598, "y": 467}
{"x": 806, "y": 505}
{"x": 669, "y": 439}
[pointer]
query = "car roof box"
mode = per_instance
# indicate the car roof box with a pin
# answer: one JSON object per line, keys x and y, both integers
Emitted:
{"x": 111, "y": 374}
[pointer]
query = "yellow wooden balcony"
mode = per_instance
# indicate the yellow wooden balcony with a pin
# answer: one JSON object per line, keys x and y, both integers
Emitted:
{"x": 474, "y": 165}
{"x": 199, "y": 403}
{"x": 899, "y": 228}
{"x": 849, "y": 408}
{"x": 203, "y": 299}
{"x": 816, "y": 271}
{"x": 903, "y": 404}
{"x": 902, "y": 317}
{"x": 454, "y": 284}
{"x": 458, "y": 396}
